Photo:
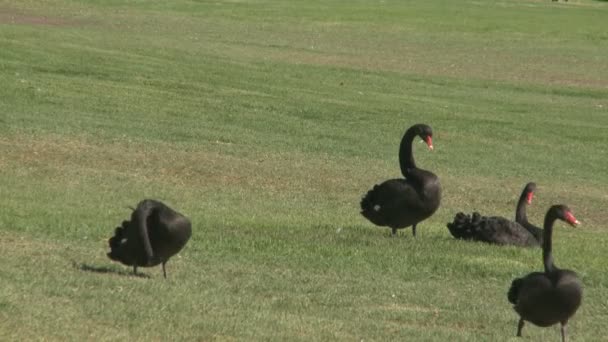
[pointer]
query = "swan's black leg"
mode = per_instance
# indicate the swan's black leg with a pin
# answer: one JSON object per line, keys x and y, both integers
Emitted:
{"x": 563, "y": 329}
{"x": 135, "y": 269}
{"x": 414, "y": 230}
{"x": 394, "y": 231}
{"x": 520, "y": 326}
{"x": 164, "y": 272}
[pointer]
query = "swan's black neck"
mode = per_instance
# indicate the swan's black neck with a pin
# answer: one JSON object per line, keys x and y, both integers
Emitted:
{"x": 406, "y": 157}
{"x": 547, "y": 241}
{"x": 520, "y": 211}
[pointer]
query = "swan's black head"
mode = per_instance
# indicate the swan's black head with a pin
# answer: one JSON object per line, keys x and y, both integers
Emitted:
{"x": 425, "y": 132}
{"x": 529, "y": 191}
{"x": 564, "y": 213}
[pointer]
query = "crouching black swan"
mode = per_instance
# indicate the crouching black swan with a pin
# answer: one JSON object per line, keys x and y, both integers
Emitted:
{"x": 499, "y": 230}
{"x": 550, "y": 297}
{"x": 153, "y": 235}
{"x": 403, "y": 202}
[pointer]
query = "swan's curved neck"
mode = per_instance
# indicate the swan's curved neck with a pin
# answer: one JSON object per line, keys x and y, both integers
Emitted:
{"x": 406, "y": 157}
{"x": 547, "y": 241}
{"x": 520, "y": 211}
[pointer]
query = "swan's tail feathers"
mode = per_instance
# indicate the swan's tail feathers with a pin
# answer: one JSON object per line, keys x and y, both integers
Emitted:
{"x": 117, "y": 242}
{"x": 513, "y": 293}
{"x": 367, "y": 202}
{"x": 465, "y": 226}
{"x": 371, "y": 209}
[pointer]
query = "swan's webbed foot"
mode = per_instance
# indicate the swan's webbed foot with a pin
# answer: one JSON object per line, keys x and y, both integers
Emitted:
{"x": 520, "y": 326}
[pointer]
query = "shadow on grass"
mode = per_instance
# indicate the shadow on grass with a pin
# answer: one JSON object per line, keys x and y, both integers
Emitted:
{"x": 104, "y": 269}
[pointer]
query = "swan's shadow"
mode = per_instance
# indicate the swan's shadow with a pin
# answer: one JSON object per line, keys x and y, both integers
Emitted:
{"x": 104, "y": 269}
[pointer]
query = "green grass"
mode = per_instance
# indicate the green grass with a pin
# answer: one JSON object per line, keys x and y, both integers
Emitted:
{"x": 265, "y": 122}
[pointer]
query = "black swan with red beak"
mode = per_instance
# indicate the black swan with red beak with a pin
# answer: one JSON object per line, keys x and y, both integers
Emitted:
{"x": 154, "y": 234}
{"x": 499, "y": 230}
{"x": 404, "y": 202}
{"x": 550, "y": 297}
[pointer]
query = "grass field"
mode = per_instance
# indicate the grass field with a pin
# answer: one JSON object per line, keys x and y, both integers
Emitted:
{"x": 265, "y": 122}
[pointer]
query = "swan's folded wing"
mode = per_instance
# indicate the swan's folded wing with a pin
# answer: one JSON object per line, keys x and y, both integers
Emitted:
{"x": 396, "y": 194}
{"x": 502, "y": 231}
{"x": 534, "y": 292}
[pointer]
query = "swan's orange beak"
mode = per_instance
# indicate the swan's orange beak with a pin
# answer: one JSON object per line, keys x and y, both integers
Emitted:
{"x": 571, "y": 219}
{"x": 429, "y": 141}
{"x": 530, "y": 197}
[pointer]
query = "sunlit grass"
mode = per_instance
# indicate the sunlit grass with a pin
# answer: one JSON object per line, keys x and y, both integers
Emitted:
{"x": 265, "y": 122}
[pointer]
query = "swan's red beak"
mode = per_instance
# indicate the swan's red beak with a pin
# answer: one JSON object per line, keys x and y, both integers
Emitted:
{"x": 429, "y": 141}
{"x": 530, "y": 197}
{"x": 571, "y": 219}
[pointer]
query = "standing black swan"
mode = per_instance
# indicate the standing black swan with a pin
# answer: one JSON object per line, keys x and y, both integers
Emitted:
{"x": 403, "y": 202}
{"x": 553, "y": 296}
{"x": 154, "y": 234}
{"x": 499, "y": 230}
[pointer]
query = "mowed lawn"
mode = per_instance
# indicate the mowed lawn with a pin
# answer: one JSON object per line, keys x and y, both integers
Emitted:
{"x": 265, "y": 122}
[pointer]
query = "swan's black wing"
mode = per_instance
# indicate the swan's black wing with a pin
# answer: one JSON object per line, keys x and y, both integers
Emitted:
{"x": 502, "y": 231}
{"x": 393, "y": 203}
{"x": 527, "y": 290}
{"x": 535, "y": 301}
{"x": 546, "y": 298}
{"x": 495, "y": 230}
{"x": 169, "y": 233}
{"x": 513, "y": 292}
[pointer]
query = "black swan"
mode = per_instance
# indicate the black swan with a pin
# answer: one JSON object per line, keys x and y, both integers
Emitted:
{"x": 153, "y": 235}
{"x": 403, "y": 202}
{"x": 553, "y": 296}
{"x": 499, "y": 230}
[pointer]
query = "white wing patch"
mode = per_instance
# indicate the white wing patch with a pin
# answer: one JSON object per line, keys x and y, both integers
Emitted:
{"x": 377, "y": 207}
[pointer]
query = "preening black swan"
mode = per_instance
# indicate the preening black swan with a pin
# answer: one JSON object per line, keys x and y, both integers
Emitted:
{"x": 403, "y": 202}
{"x": 153, "y": 235}
{"x": 499, "y": 230}
{"x": 553, "y": 296}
